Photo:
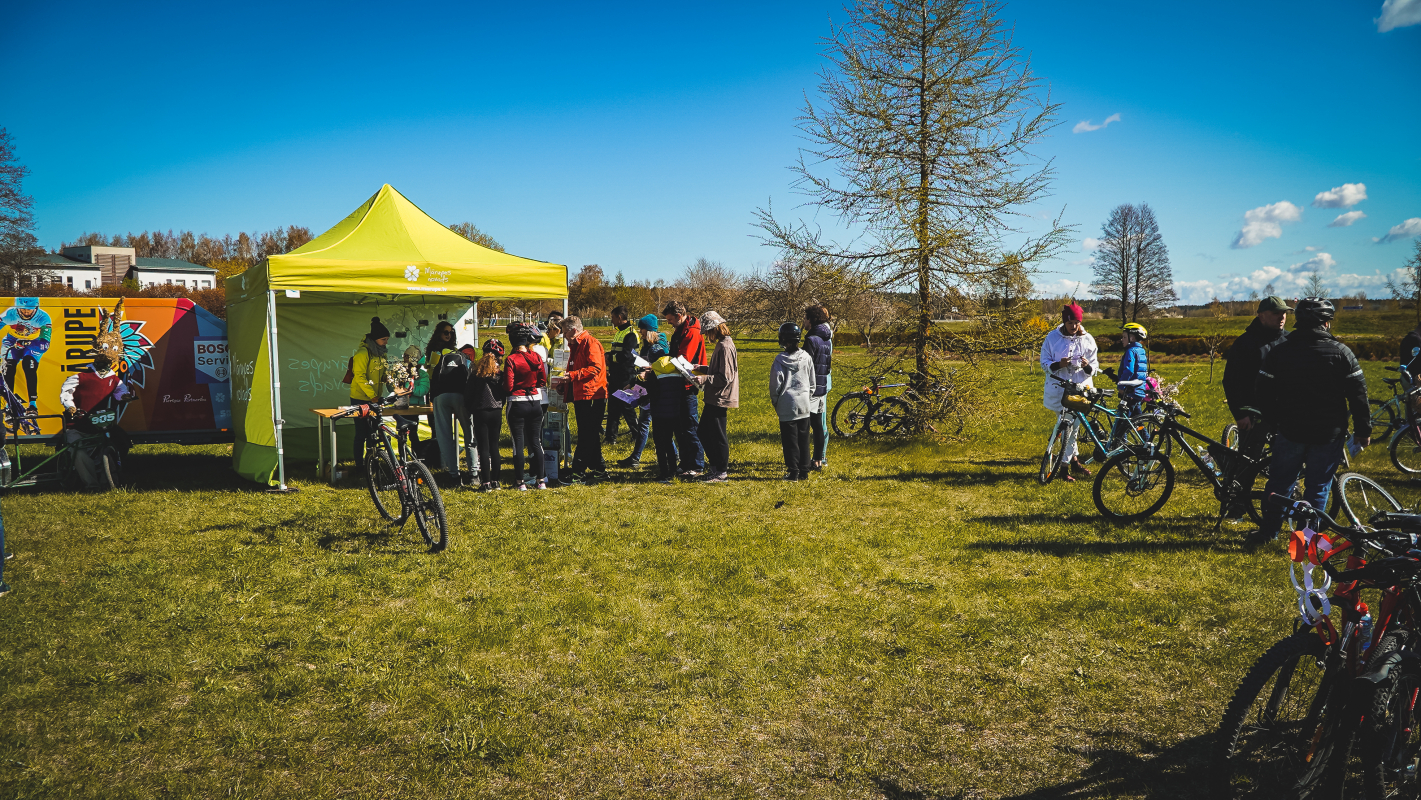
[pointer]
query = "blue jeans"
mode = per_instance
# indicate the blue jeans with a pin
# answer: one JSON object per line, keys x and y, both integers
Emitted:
{"x": 1317, "y": 463}
{"x": 448, "y": 409}
{"x": 688, "y": 444}
{"x": 640, "y": 429}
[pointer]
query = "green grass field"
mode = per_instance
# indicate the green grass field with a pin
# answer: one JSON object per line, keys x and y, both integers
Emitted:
{"x": 919, "y": 621}
{"x": 1348, "y": 324}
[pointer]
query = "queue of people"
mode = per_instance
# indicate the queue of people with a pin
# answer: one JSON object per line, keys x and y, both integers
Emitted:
{"x": 658, "y": 384}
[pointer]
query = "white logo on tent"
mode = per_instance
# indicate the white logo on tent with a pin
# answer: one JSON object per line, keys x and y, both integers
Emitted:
{"x": 411, "y": 273}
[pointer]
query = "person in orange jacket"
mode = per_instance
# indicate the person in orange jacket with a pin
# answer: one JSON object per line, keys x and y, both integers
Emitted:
{"x": 587, "y": 374}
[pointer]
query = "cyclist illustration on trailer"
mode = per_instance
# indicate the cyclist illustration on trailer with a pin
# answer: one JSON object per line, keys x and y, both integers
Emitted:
{"x": 27, "y": 330}
{"x": 1069, "y": 352}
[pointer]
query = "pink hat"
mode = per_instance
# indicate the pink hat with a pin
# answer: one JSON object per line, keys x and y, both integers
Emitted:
{"x": 1072, "y": 313}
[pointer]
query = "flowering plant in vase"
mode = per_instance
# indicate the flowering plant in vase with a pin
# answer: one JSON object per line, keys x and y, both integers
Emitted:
{"x": 400, "y": 375}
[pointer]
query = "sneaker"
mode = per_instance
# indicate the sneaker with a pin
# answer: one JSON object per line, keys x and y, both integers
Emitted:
{"x": 688, "y": 474}
{"x": 629, "y": 463}
{"x": 522, "y": 487}
{"x": 4, "y": 588}
{"x": 485, "y": 487}
{"x": 791, "y": 476}
{"x": 572, "y": 479}
{"x": 719, "y": 477}
{"x": 540, "y": 485}
{"x": 494, "y": 486}
{"x": 595, "y": 475}
{"x": 665, "y": 481}
{"x": 1079, "y": 467}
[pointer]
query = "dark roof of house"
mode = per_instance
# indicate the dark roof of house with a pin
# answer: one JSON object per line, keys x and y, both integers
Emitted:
{"x": 56, "y": 261}
{"x": 171, "y": 265}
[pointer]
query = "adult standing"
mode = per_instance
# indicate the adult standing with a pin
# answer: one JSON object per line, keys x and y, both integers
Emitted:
{"x": 1242, "y": 361}
{"x": 652, "y": 348}
{"x": 819, "y": 344}
{"x": 523, "y": 379}
{"x": 1410, "y": 355}
{"x": 483, "y": 396}
{"x": 448, "y": 373}
{"x": 367, "y": 369}
{"x": 721, "y": 383}
{"x": 1307, "y": 385}
{"x": 687, "y": 343}
{"x": 587, "y": 376}
{"x": 1069, "y": 352}
{"x": 621, "y": 360}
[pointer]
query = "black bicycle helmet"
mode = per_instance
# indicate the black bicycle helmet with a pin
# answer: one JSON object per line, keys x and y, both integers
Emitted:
{"x": 789, "y": 334}
{"x": 1312, "y": 312}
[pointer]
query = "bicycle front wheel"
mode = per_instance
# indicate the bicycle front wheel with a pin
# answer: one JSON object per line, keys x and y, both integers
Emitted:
{"x": 888, "y": 417}
{"x": 385, "y": 488}
{"x": 1230, "y": 438}
{"x": 1266, "y": 740}
{"x": 1361, "y": 498}
{"x": 850, "y": 414}
{"x": 1054, "y": 446}
{"x": 110, "y": 468}
{"x": 428, "y": 507}
{"x": 1405, "y": 450}
{"x": 1391, "y": 741}
{"x": 1132, "y": 486}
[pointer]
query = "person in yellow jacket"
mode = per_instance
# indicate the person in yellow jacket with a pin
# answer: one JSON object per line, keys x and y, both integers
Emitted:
{"x": 367, "y": 367}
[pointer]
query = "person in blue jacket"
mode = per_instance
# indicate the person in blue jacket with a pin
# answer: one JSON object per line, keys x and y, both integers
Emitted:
{"x": 1130, "y": 380}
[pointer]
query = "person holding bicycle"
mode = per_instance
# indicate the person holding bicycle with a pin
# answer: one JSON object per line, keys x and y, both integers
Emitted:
{"x": 1241, "y": 365}
{"x": 1069, "y": 352}
{"x": 1306, "y": 387}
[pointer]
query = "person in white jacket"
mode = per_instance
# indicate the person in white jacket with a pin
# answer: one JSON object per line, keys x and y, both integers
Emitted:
{"x": 1069, "y": 352}
{"x": 791, "y": 384}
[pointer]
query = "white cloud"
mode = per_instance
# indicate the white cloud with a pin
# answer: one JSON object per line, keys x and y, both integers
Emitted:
{"x": 1344, "y": 196}
{"x": 1062, "y": 287}
{"x": 1346, "y": 220}
{"x": 1407, "y": 229}
{"x": 1285, "y": 284}
{"x": 1265, "y": 222}
{"x": 1321, "y": 262}
{"x": 1085, "y": 125}
{"x": 1398, "y": 14}
{"x": 1088, "y": 244}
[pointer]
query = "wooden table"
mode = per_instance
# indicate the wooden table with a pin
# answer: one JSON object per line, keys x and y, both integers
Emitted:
{"x": 324, "y": 415}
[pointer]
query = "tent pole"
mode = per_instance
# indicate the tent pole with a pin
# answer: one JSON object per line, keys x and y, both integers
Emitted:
{"x": 564, "y": 306}
{"x": 276, "y": 419}
{"x": 476, "y": 323}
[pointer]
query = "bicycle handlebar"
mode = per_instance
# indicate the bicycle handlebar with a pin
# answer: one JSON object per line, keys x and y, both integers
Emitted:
{"x": 1395, "y": 542}
{"x": 377, "y": 404}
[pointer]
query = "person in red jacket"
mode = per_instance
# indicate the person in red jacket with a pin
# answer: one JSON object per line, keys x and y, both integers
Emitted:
{"x": 587, "y": 374}
{"x": 686, "y": 342}
{"x": 523, "y": 379}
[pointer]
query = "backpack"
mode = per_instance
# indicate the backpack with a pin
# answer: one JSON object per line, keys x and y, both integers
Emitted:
{"x": 453, "y": 367}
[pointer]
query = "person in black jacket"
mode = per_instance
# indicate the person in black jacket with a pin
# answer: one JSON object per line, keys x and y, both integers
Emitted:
{"x": 819, "y": 344}
{"x": 1241, "y": 364}
{"x": 621, "y": 361}
{"x": 1410, "y": 355}
{"x": 1306, "y": 388}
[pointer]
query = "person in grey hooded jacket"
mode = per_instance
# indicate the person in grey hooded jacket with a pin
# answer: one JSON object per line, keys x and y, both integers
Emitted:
{"x": 791, "y": 386}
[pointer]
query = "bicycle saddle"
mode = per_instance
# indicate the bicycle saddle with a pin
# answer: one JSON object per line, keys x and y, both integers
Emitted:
{"x": 1391, "y": 381}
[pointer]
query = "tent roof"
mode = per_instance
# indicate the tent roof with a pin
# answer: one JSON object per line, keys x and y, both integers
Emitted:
{"x": 389, "y": 248}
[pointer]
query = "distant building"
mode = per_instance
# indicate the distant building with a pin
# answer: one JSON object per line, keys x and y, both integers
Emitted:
{"x": 83, "y": 268}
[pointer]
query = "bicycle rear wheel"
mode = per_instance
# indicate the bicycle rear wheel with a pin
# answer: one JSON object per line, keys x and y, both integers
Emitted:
{"x": 1361, "y": 497}
{"x": 110, "y": 468}
{"x": 1230, "y": 438}
{"x": 1267, "y": 744}
{"x": 850, "y": 414}
{"x": 428, "y": 507}
{"x": 385, "y": 488}
{"x": 1132, "y": 486}
{"x": 888, "y": 416}
{"x": 1391, "y": 740}
{"x": 1054, "y": 446}
{"x": 1405, "y": 450}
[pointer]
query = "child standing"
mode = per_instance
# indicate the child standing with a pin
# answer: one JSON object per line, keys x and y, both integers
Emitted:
{"x": 666, "y": 390}
{"x": 791, "y": 384}
{"x": 1134, "y": 371}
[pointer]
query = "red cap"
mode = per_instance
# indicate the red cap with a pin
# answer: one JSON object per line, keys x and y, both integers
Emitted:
{"x": 1072, "y": 313}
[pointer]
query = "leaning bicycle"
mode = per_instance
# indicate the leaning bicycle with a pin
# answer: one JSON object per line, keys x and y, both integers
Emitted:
{"x": 1102, "y": 430}
{"x": 870, "y": 411}
{"x": 400, "y": 485}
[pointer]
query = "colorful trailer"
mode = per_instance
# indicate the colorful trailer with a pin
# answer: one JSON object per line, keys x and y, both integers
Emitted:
{"x": 178, "y": 363}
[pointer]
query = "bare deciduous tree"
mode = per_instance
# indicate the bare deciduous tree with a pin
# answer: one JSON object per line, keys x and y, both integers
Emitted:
{"x": 1408, "y": 285}
{"x": 709, "y": 285}
{"x": 1314, "y": 286}
{"x": 19, "y": 249}
{"x": 470, "y": 231}
{"x": 929, "y": 112}
{"x": 1132, "y": 264}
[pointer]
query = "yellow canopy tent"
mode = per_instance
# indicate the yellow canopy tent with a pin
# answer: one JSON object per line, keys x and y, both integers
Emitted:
{"x": 387, "y": 259}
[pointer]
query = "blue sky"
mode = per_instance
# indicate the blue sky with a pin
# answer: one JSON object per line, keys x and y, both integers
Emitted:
{"x": 643, "y": 136}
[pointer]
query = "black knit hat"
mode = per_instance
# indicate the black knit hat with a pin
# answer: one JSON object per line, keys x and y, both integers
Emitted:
{"x": 378, "y": 329}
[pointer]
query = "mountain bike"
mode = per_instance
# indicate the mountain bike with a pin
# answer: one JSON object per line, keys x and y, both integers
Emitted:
{"x": 88, "y": 453}
{"x": 1289, "y": 729}
{"x": 868, "y": 410}
{"x": 400, "y": 485}
{"x": 1098, "y": 428}
{"x": 1405, "y": 445}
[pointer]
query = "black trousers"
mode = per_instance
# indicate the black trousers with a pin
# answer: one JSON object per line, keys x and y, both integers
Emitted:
{"x": 663, "y": 432}
{"x": 364, "y": 426}
{"x": 588, "y": 454}
{"x": 714, "y": 439}
{"x": 794, "y": 438}
{"x": 525, "y": 424}
{"x": 488, "y": 423}
{"x": 618, "y": 410}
